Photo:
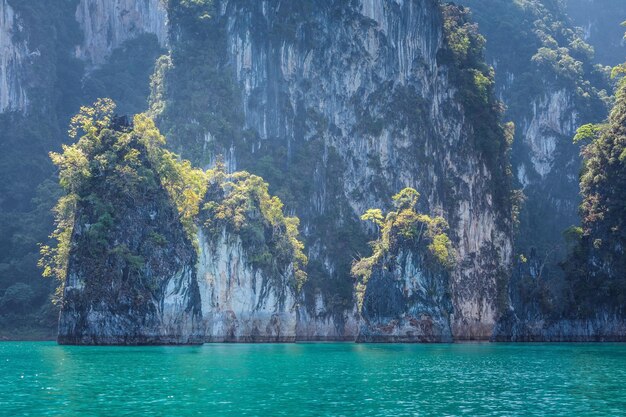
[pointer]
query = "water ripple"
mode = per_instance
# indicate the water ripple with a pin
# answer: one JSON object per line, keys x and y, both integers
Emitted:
{"x": 43, "y": 379}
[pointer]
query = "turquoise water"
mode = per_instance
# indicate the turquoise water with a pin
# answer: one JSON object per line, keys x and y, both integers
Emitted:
{"x": 43, "y": 379}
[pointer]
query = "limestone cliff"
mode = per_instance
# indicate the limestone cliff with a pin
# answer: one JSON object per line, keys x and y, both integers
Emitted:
{"x": 176, "y": 297}
{"x": 152, "y": 251}
{"x": 106, "y": 24}
{"x": 338, "y": 105}
{"x": 406, "y": 301}
{"x": 240, "y": 303}
{"x": 14, "y": 55}
{"x": 124, "y": 259}
{"x": 544, "y": 104}
{"x": 546, "y": 77}
{"x": 546, "y": 165}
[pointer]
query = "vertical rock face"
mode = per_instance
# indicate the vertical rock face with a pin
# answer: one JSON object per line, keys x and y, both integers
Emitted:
{"x": 239, "y": 303}
{"x": 554, "y": 119}
{"x": 547, "y": 104}
{"x": 176, "y": 297}
{"x": 13, "y": 56}
{"x": 546, "y": 164}
{"x": 150, "y": 297}
{"x": 362, "y": 80}
{"x": 406, "y": 302}
{"x": 108, "y": 23}
{"x": 602, "y": 327}
{"x": 133, "y": 275}
{"x": 544, "y": 104}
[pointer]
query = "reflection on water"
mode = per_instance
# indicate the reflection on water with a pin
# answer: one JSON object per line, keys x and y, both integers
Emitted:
{"x": 43, "y": 379}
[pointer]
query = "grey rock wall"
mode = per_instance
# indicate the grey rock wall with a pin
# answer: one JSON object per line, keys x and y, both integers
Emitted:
{"x": 14, "y": 55}
{"x": 106, "y": 24}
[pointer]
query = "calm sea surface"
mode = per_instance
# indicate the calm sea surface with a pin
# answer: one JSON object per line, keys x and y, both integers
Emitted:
{"x": 43, "y": 379}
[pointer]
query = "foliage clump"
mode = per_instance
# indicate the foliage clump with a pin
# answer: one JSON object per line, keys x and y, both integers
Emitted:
{"x": 404, "y": 228}
{"x": 241, "y": 204}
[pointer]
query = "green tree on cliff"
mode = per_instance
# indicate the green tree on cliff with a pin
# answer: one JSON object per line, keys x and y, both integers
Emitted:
{"x": 597, "y": 266}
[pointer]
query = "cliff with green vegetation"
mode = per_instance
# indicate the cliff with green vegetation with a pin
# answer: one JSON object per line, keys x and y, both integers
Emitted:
{"x": 252, "y": 268}
{"x": 42, "y": 84}
{"x": 595, "y": 269}
{"x": 600, "y": 23}
{"x": 547, "y": 76}
{"x": 331, "y": 106}
{"x": 150, "y": 250}
{"x": 121, "y": 256}
{"x": 338, "y": 105}
{"x": 597, "y": 266}
{"x": 403, "y": 289}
